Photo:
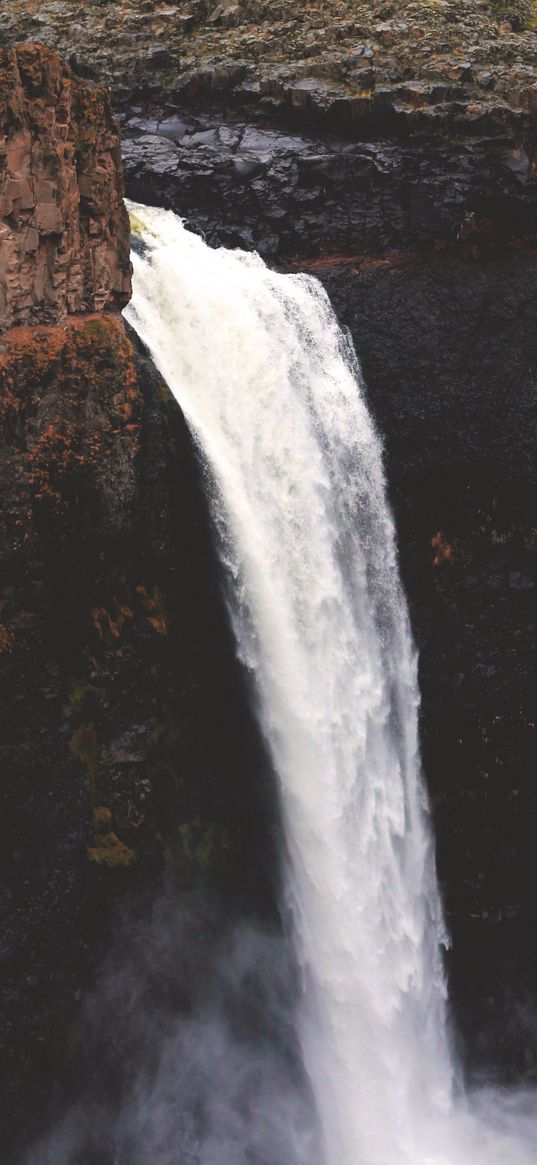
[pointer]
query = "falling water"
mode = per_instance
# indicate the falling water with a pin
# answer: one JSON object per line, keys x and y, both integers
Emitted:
{"x": 272, "y": 392}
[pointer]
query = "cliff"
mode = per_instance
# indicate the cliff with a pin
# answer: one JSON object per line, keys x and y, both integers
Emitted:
{"x": 392, "y": 152}
{"x": 404, "y": 66}
{"x": 69, "y": 421}
{"x": 411, "y": 123}
{"x": 64, "y": 232}
{"x": 114, "y": 649}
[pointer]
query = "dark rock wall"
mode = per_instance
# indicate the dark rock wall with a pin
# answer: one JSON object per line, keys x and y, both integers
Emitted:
{"x": 449, "y": 354}
{"x": 69, "y": 407}
{"x": 127, "y": 754}
{"x": 288, "y": 192}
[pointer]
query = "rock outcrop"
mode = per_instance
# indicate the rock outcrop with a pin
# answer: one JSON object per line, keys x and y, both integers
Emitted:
{"x": 291, "y": 127}
{"x": 371, "y": 65}
{"x": 298, "y": 194}
{"x": 70, "y": 404}
{"x": 126, "y": 748}
{"x": 115, "y": 652}
{"x": 64, "y": 234}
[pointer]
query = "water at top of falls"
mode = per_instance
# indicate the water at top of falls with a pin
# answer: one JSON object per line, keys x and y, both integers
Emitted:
{"x": 272, "y": 392}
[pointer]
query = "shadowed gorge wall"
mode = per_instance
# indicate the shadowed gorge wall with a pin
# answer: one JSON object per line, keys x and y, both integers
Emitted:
{"x": 127, "y": 752}
{"x": 449, "y": 353}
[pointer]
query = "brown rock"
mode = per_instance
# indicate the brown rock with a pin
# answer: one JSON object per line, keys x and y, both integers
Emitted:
{"x": 64, "y": 233}
{"x": 227, "y": 15}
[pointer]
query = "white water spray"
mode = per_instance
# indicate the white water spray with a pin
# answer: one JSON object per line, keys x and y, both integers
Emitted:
{"x": 272, "y": 393}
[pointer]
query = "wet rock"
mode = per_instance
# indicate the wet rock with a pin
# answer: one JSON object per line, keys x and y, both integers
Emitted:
{"x": 373, "y": 195}
{"x": 173, "y": 128}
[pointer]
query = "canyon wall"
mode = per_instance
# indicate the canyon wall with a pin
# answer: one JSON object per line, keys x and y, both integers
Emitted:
{"x": 391, "y": 151}
{"x": 127, "y": 754}
{"x": 297, "y": 127}
{"x": 64, "y": 233}
{"x": 448, "y": 348}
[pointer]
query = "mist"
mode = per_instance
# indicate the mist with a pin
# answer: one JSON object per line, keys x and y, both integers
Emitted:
{"x": 186, "y": 1052}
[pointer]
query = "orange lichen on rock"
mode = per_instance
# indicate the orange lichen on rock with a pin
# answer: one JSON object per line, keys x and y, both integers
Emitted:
{"x": 445, "y": 552}
{"x": 448, "y": 553}
{"x": 63, "y": 397}
{"x": 6, "y": 640}
{"x": 107, "y": 624}
{"x": 102, "y": 817}
{"x": 154, "y": 604}
{"x": 110, "y": 851}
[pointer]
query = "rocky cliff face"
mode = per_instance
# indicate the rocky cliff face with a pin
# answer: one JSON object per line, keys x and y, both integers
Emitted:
{"x": 342, "y": 126}
{"x": 69, "y": 424}
{"x": 393, "y": 149}
{"x": 115, "y": 654}
{"x": 375, "y": 65}
{"x": 64, "y": 235}
{"x": 298, "y": 193}
{"x": 127, "y": 754}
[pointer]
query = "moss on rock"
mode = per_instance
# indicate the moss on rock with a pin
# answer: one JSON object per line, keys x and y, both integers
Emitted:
{"x": 109, "y": 851}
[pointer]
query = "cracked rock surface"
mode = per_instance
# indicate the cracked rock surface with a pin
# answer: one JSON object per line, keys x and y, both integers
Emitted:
{"x": 359, "y": 60}
{"x": 300, "y": 194}
{"x": 64, "y": 232}
{"x": 297, "y": 128}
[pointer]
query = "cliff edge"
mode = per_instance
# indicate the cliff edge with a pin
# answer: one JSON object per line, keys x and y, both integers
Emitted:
{"x": 303, "y": 129}
{"x": 64, "y": 231}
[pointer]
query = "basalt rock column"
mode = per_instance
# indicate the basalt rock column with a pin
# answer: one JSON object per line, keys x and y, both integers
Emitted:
{"x": 64, "y": 235}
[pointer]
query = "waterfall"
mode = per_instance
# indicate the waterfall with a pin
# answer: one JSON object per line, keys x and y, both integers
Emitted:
{"x": 272, "y": 392}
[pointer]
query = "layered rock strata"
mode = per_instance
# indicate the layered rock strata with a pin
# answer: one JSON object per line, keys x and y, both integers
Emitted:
{"x": 293, "y": 127}
{"x": 406, "y": 66}
{"x": 64, "y": 235}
